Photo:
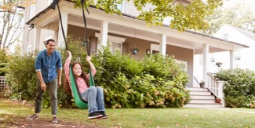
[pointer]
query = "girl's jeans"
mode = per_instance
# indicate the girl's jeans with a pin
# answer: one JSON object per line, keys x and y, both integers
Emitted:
{"x": 95, "y": 97}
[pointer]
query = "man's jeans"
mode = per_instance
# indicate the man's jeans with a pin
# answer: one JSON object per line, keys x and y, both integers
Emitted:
{"x": 95, "y": 97}
{"x": 53, "y": 88}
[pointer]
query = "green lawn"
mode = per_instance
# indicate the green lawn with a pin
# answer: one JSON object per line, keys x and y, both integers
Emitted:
{"x": 146, "y": 118}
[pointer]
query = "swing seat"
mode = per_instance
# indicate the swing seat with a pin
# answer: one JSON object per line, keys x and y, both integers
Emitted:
{"x": 76, "y": 94}
{"x": 82, "y": 104}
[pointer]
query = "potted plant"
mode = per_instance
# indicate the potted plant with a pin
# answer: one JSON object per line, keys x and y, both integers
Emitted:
{"x": 218, "y": 100}
{"x": 134, "y": 51}
{"x": 202, "y": 84}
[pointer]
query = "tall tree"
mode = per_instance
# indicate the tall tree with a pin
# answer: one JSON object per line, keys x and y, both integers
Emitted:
{"x": 188, "y": 16}
{"x": 11, "y": 21}
{"x": 240, "y": 15}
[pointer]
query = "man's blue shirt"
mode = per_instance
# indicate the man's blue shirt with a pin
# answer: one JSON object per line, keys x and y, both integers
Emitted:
{"x": 48, "y": 64}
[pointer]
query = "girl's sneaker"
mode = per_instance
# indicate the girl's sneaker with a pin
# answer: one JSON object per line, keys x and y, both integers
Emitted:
{"x": 95, "y": 115}
{"x": 104, "y": 116}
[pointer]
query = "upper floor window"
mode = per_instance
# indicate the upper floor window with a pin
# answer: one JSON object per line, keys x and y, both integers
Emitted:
{"x": 32, "y": 11}
{"x": 225, "y": 36}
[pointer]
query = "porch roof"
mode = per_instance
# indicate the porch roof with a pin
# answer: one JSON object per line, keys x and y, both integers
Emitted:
{"x": 187, "y": 39}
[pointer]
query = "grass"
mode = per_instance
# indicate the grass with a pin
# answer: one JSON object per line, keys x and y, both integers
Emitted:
{"x": 146, "y": 118}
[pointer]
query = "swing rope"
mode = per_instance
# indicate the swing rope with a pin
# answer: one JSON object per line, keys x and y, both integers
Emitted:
{"x": 77, "y": 96}
{"x": 88, "y": 43}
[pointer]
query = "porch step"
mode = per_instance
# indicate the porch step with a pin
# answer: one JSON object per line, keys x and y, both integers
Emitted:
{"x": 202, "y": 101}
{"x": 197, "y": 89}
{"x": 200, "y": 93}
{"x": 202, "y": 105}
{"x": 208, "y": 97}
{"x": 201, "y": 98}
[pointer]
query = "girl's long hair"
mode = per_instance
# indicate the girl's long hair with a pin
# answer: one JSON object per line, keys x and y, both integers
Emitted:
{"x": 83, "y": 75}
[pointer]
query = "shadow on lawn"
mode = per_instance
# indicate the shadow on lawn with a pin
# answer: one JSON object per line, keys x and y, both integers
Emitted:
{"x": 10, "y": 121}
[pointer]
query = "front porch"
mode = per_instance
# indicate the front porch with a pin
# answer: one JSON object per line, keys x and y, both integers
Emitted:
{"x": 126, "y": 32}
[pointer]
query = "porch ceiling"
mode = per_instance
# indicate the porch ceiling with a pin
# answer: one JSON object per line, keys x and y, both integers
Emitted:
{"x": 127, "y": 26}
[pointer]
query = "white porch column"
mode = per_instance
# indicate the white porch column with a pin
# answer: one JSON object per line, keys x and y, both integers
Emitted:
{"x": 162, "y": 47}
{"x": 61, "y": 41}
{"x": 103, "y": 34}
{"x": 37, "y": 38}
{"x": 205, "y": 62}
{"x": 232, "y": 59}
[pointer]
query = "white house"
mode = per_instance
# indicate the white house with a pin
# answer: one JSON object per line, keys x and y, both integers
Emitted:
{"x": 123, "y": 32}
{"x": 241, "y": 57}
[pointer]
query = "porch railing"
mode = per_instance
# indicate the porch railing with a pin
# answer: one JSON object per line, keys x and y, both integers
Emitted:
{"x": 3, "y": 83}
{"x": 195, "y": 78}
{"x": 216, "y": 87}
{"x": 212, "y": 84}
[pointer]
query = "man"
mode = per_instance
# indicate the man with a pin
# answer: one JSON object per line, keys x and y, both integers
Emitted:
{"x": 47, "y": 62}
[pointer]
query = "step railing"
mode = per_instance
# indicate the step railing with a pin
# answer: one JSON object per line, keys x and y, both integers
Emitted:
{"x": 215, "y": 87}
{"x": 195, "y": 78}
{"x": 212, "y": 84}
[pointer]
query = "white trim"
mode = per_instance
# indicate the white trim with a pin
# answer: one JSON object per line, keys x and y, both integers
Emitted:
{"x": 32, "y": 11}
{"x": 131, "y": 35}
{"x": 232, "y": 59}
{"x": 162, "y": 50}
{"x": 205, "y": 62}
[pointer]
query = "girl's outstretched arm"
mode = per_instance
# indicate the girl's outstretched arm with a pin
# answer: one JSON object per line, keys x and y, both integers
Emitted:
{"x": 67, "y": 64}
{"x": 92, "y": 67}
{"x": 90, "y": 63}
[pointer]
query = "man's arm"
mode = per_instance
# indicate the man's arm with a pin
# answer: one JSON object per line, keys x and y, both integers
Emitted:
{"x": 38, "y": 71}
{"x": 59, "y": 77}
{"x": 43, "y": 85}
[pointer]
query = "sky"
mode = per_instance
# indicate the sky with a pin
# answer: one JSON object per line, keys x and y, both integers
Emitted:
{"x": 228, "y": 3}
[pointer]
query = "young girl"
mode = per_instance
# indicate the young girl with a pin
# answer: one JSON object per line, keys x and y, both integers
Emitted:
{"x": 93, "y": 95}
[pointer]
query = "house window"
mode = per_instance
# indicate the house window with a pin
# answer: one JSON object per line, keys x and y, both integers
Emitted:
{"x": 237, "y": 55}
{"x": 183, "y": 64}
{"x": 201, "y": 59}
{"x": 154, "y": 52}
{"x": 212, "y": 59}
{"x": 116, "y": 47}
{"x": 155, "y": 48}
{"x": 225, "y": 36}
{"x": 237, "y": 58}
{"x": 32, "y": 11}
{"x": 114, "y": 42}
{"x": 121, "y": 7}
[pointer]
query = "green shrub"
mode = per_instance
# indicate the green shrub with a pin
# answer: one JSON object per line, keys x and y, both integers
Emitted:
{"x": 21, "y": 77}
{"x": 240, "y": 86}
{"x": 3, "y": 62}
{"x": 154, "y": 81}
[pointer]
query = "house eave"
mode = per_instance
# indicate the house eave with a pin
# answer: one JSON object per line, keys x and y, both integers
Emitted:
{"x": 133, "y": 17}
